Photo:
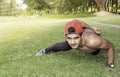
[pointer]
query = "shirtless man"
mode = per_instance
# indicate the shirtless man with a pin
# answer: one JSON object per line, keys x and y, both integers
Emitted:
{"x": 82, "y": 37}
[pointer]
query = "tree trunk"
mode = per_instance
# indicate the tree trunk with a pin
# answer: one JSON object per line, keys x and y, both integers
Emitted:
{"x": 101, "y": 4}
{"x": 112, "y": 5}
{"x": 107, "y": 5}
{"x": 116, "y": 6}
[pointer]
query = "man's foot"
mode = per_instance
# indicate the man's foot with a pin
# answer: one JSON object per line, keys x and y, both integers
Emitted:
{"x": 41, "y": 52}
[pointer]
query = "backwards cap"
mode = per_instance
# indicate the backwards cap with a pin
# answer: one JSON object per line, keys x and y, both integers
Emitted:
{"x": 76, "y": 24}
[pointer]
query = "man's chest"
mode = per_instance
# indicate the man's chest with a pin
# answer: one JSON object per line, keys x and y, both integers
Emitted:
{"x": 87, "y": 49}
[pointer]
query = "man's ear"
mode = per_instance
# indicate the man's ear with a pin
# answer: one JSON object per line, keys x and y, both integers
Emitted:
{"x": 65, "y": 35}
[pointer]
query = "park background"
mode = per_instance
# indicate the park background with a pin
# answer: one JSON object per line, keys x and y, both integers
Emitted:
{"x": 26, "y": 26}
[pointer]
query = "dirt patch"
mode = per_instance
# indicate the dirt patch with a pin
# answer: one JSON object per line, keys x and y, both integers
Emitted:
{"x": 104, "y": 13}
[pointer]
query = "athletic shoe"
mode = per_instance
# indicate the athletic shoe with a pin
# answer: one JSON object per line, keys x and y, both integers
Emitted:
{"x": 41, "y": 52}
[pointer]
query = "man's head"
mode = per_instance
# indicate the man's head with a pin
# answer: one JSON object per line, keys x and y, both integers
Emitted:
{"x": 73, "y": 30}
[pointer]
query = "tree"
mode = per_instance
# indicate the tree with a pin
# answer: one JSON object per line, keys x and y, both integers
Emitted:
{"x": 7, "y": 7}
{"x": 62, "y": 6}
{"x": 112, "y": 5}
{"x": 36, "y": 4}
{"x": 101, "y": 4}
{"x": 70, "y": 6}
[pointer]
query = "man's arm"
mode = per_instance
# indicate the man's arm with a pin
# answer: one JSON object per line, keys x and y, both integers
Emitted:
{"x": 97, "y": 42}
{"x": 109, "y": 47}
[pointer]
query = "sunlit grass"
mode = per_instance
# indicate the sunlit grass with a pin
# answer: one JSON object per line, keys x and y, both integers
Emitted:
{"x": 22, "y": 38}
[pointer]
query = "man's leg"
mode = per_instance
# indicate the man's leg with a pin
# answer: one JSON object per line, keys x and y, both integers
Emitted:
{"x": 96, "y": 52}
{"x": 61, "y": 46}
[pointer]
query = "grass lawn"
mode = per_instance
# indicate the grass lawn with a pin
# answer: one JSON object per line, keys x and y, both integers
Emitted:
{"x": 106, "y": 19}
{"x": 21, "y": 38}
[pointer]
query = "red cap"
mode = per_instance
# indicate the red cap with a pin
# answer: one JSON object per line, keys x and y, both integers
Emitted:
{"x": 76, "y": 24}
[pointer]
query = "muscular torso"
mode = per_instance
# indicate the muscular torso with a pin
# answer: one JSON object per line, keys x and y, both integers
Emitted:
{"x": 90, "y": 41}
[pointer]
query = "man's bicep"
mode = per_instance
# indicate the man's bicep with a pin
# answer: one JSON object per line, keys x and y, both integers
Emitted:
{"x": 105, "y": 44}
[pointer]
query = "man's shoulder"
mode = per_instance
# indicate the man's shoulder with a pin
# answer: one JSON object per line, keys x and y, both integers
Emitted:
{"x": 92, "y": 40}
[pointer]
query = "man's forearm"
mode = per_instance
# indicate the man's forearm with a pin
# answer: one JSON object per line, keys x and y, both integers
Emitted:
{"x": 111, "y": 55}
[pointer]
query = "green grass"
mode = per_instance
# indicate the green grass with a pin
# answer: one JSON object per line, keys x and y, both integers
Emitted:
{"x": 106, "y": 19}
{"x": 22, "y": 38}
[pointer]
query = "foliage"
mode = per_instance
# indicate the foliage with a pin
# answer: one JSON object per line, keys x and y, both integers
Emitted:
{"x": 71, "y": 6}
{"x": 36, "y": 4}
{"x": 35, "y": 7}
{"x": 8, "y": 8}
{"x": 61, "y": 6}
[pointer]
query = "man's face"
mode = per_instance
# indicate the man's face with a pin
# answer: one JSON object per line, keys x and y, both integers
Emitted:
{"x": 73, "y": 40}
